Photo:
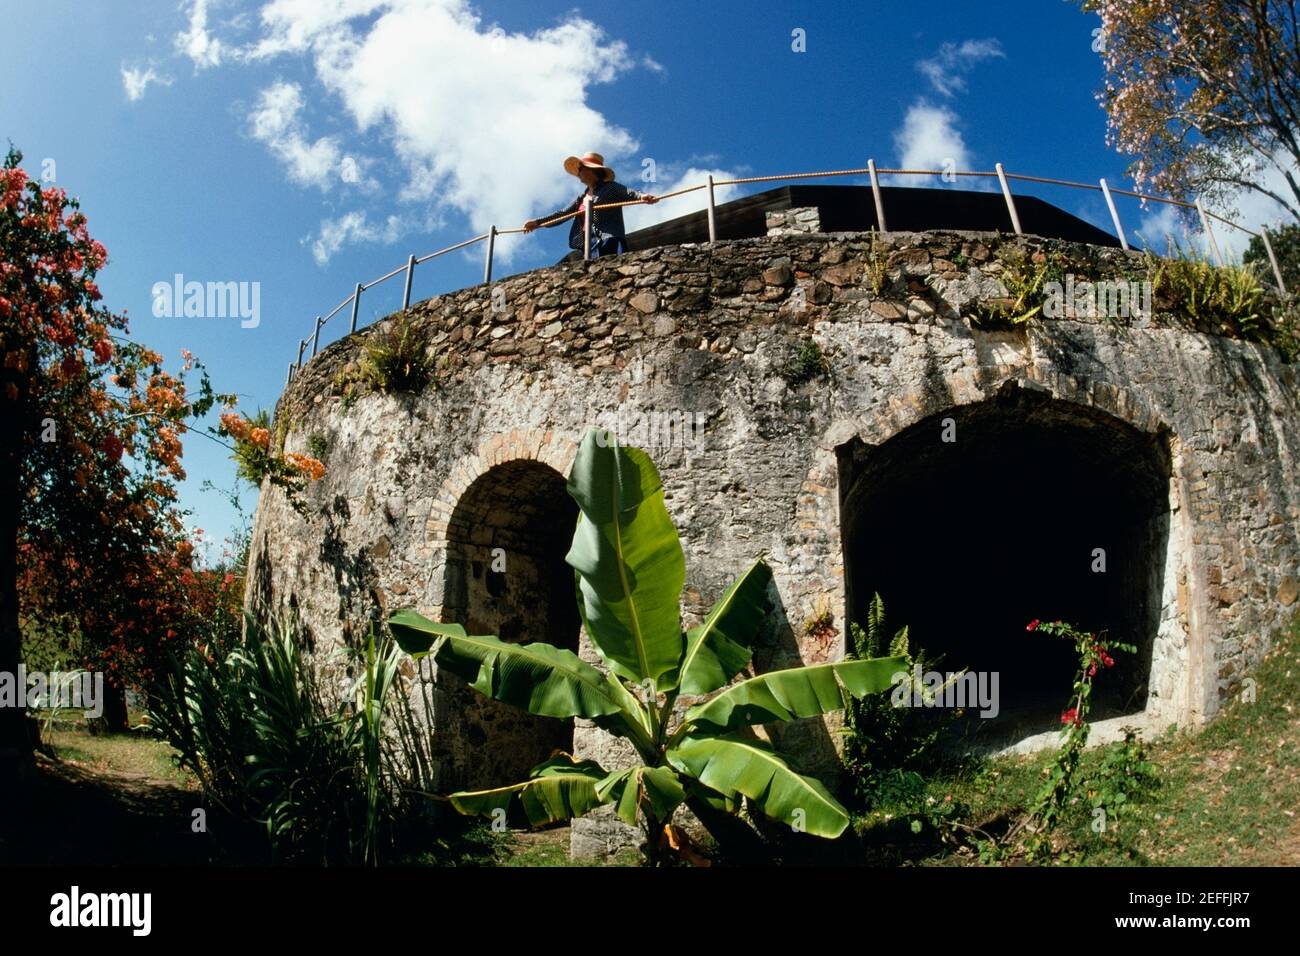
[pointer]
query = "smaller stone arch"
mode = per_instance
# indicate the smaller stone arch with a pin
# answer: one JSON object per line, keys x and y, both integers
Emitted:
{"x": 503, "y": 573}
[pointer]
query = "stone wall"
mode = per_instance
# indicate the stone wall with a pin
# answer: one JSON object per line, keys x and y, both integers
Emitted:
{"x": 717, "y": 340}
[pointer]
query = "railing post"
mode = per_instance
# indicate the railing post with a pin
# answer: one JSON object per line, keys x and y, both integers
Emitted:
{"x": 586, "y": 226}
{"x": 1006, "y": 194}
{"x": 487, "y": 258}
{"x": 289, "y": 378}
{"x": 1268, "y": 247}
{"x": 302, "y": 344}
{"x": 1209, "y": 233}
{"x": 1114, "y": 214}
{"x": 713, "y": 223}
{"x": 356, "y": 304}
{"x": 875, "y": 194}
{"x": 410, "y": 274}
{"x": 315, "y": 337}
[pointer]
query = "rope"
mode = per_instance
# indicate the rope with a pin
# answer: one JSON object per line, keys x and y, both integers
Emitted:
{"x": 1053, "y": 182}
{"x": 1172, "y": 202}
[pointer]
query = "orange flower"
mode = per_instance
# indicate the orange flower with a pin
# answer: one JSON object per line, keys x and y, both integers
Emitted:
{"x": 260, "y": 437}
{"x": 310, "y": 467}
{"x": 236, "y": 426}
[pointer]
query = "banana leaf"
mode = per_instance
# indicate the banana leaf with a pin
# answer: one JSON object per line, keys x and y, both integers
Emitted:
{"x": 734, "y": 765}
{"x": 793, "y": 693}
{"x": 719, "y": 648}
{"x": 558, "y": 789}
{"x": 628, "y": 559}
{"x": 627, "y": 789}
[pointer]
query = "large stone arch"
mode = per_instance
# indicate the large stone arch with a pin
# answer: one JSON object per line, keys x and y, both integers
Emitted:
{"x": 972, "y": 519}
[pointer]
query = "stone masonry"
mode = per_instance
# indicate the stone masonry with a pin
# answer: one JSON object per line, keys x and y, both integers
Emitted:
{"x": 420, "y": 489}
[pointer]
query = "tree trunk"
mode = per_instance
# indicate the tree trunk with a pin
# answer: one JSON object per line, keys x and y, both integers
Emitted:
{"x": 737, "y": 840}
{"x": 115, "y": 717}
{"x": 15, "y": 742}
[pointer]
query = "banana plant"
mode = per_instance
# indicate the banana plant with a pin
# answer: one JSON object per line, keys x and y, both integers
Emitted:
{"x": 629, "y": 570}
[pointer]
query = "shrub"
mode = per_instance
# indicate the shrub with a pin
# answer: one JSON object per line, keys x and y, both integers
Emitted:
{"x": 256, "y": 459}
{"x": 1227, "y": 300}
{"x": 807, "y": 363}
{"x": 1023, "y": 279}
{"x": 395, "y": 359}
{"x": 885, "y": 743}
{"x": 247, "y": 716}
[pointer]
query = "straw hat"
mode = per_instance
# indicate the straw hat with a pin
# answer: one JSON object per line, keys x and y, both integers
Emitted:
{"x": 591, "y": 161}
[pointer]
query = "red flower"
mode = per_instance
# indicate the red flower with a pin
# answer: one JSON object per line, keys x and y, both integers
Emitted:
{"x": 112, "y": 447}
{"x": 1032, "y": 625}
{"x": 1071, "y": 716}
{"x": 103, "y": 351}
{"x": 1092, "y": 670}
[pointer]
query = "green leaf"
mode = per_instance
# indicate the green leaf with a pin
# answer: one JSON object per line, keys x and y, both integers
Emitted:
{"x": 628, "y": 789}
{"x": 793, "y": 693}
{"x": 629, "y": 561}
{"x": 416, "y": 634}
{"x": 559, "y": 789}
{"x": 724, "y": 802}
{"x": 875, "y": 626}
{"x": 733, "y": 765}
{"x": 541, "y": 678}
{"x": 718, "y": 649}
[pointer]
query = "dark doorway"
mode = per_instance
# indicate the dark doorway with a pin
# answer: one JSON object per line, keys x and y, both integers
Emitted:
{"x": 968, "y": 540}
{"x": 505, "y": 575}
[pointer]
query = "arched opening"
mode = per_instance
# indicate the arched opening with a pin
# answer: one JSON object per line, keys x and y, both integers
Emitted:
{"x": 505, "y": 575}
{"x": 977, "y": 520}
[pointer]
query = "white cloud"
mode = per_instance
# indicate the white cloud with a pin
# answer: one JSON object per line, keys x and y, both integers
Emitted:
{"x": 639, "y": 217}
{"x": 277, "y": 122}
{"x": 480, "y": 118}
{"x": 929, "y": 139}
{"x": 947, "y": 69}
{"x": 135, "y": 81}
{"x": 197, "y": 43}
{"x": 352, "y": 227}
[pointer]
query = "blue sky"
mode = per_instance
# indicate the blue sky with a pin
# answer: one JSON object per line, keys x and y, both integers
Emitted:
{"x": 305, "y": 145}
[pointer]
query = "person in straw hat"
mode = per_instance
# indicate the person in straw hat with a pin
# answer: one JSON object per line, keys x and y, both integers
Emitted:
{"x": 608, "y": 235}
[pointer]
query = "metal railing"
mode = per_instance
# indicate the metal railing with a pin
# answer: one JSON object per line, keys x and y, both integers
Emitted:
{"x": 870, "y": 170}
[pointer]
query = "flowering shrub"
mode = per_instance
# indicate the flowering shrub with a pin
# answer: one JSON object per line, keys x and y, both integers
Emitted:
{"x": 256, "y": 460}
{"x": 1094, "y": 655}
{"x": 91, "y": 429}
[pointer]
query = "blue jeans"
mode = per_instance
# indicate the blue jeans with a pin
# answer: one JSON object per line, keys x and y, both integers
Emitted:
{"x": 608, "y": 246}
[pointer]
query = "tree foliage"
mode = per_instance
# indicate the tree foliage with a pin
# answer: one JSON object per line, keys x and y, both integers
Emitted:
{"x": 1205, "y": 95}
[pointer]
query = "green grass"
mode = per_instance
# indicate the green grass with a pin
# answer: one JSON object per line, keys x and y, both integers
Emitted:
{"x": 551, "y": 848}
{"x": 1228, "y": 796}
{"x": 132, "y": 754}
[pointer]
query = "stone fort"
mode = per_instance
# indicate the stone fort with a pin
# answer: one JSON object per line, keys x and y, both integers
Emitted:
{"x": 833, "y": 400}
